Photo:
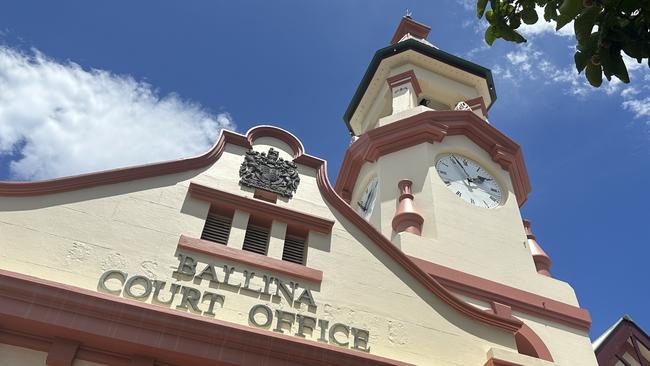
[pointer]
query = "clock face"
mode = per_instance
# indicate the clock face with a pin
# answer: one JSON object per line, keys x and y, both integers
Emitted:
{"x": 367, "y": 200}
{"x": 469, "y": 181}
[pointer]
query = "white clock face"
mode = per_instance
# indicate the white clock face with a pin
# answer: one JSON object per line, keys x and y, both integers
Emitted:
{"x": 469, "y": 181}
{"x": 367, "y": 200}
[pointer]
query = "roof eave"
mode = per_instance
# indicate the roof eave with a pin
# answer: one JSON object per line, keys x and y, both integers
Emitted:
{"x": 412, "y": 44}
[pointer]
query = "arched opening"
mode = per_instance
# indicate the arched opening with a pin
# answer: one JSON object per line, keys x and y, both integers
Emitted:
{"x": 529, "y": 344}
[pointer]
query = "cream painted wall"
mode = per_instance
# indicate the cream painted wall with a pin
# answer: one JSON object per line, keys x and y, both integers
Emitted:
{"x": 438, "y": 85}
{"x": 489, "y": 243}
{"x": 135, "y": 226}
{"x": 19, "y": 356}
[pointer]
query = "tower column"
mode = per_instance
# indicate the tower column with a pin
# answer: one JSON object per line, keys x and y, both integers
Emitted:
{"x": 407, "y": 218}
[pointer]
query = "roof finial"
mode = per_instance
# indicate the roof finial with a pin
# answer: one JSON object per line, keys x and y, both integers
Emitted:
{"x": 408, "y": 13}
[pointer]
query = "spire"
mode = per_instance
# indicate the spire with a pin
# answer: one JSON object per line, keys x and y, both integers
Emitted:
{"x": 541, "y": 259}
{"x": 409, "y": 27}
{"x": 407, "y": 218}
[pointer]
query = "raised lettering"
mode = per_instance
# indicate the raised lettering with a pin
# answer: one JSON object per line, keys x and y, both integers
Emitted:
{"x": 260, "y": 308}
{"x": 121, "y": 276}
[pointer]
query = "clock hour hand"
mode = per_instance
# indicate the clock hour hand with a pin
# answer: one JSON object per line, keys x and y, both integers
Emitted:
{"x": 464, "y": 171}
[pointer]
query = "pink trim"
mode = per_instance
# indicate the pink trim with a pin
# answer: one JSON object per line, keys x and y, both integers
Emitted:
{"x": 114, "y": 328}
{"x": 277, "y": 133}
{"x": 407, "y": 218}
{"x": 431, "y": 127}
{"x": 530, "y": 344}
{"x": 405, "y": 78}
{"x": 541, "y": 259}
{"x": 73, "y": 183}
{"x": 253, "y": 259}
{"x": 478, "y": 103}
{"x": 408, "y": 25}
{"x": 62, "y": 352}
{"x": 522, "y": 301}
{"x": 498, "y": 362}
{"x": 260, "y": 208}
{"x": 429, "y": 131}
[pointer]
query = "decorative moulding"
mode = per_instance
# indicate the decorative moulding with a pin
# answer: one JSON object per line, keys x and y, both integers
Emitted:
{"x": 118, "y": 331}
{"x": 270, "y": 172}
{"x": 250, "y": 258}
{"x": 260, "y": 208}
{"x": 431, "y": 127}
{"x": 405, "y": 78}
{"x": 407, "y": 218}
{"x": 541, "y": 259}
{"x": 327, "y": 192}
{"x": 410, "y": 26}
{"x": 521, "y": 301}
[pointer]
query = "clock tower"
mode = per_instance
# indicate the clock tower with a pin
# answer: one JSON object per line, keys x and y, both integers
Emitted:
{"x": 430, "y": 172}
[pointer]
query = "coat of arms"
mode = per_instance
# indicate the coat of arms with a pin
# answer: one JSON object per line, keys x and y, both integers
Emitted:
{"x": 270, "y": 172}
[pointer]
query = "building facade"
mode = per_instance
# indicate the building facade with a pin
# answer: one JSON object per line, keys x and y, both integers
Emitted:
{"x": 248, "y": 255}
{"x": 623, "y": 344}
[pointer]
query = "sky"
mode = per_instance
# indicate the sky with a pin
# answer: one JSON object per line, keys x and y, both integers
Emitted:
{"x": 87, "y": 86}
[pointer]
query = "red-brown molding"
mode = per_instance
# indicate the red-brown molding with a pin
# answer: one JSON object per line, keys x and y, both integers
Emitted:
{"x": 116, "y": 328}
{"x": 250, "y": 258}
{"x": 278, "y": 133}
{"x": 497, "y": 362}
{"x": 431, "y": 127}
{"x": 261, "y": 208}
{"x": 328, "y": 193}
{"x": 522, "y": 301}
{"x": 408, "y": 25}
{"x": 478, "y": 103}
{"x": 404, "y": 78}
{"x": 540, "y": 258}
{"x": 529, "y": 343}
{"x": 62, "y": 352}
{"x": 72, "y": 183}
{"x": 407, "y": 218}
{"x": 612, "y": 348}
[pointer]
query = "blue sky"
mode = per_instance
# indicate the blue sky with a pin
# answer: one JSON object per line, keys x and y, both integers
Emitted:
{"x": 86, "y": 87}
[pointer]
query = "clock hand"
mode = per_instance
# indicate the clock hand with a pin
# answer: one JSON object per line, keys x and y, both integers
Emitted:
{"x": 461, "y": 166}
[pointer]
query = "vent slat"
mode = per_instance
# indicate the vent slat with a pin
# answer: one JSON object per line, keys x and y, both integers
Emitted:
{"x": 256, "y": 239}
{"x": 216, "y": 229}
{"x": 294, "y": 250}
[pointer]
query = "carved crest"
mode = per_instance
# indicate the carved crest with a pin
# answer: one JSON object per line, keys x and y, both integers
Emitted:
{"x": 270, "y": 172}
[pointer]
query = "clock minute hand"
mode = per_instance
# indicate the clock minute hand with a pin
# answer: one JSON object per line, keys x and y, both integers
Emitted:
{"x": 461, "y": 166}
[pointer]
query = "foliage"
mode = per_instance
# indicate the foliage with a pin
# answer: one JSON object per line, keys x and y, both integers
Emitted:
{"x": 603, "y": 29}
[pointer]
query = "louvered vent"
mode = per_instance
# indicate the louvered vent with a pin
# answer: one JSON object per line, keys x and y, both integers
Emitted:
{"x": 256, "y": 239}
{"x": 294, "y": 250}
{"x": 216, "y": 229}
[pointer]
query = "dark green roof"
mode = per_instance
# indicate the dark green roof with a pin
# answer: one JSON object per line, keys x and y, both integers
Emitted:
{"x": 417, "y": 46}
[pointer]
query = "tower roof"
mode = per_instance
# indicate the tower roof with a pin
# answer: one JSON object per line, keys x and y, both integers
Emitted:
{"x": 414, "y": 43}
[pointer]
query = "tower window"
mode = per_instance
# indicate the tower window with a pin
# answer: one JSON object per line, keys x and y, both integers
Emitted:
{"x": 294, "y": 249}
{"x": 256, "y": 239}
{"x": 217, "y": 228}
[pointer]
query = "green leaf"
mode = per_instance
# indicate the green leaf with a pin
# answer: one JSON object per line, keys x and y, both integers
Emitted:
{"x": 618, "y": 68}
{"x": 568, "y": 11}
{"x": 594, "y": 74}
{"x": 529, "y": 16}
{"x": 581, "y": 59}
{"x": 480, "y": 8}
{"x": 490, "y": 35}
{"x": 550, "y": 12}
{"x": 584, "y": 23}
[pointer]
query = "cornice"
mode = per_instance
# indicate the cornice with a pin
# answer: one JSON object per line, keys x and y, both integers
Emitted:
{"x": 121, "y": 175}
{"x": 261, "y": 208}
{"x": 431, "y": 127}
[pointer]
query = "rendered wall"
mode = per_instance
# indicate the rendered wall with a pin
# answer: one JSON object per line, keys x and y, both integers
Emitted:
{"x": 74, "y": 237}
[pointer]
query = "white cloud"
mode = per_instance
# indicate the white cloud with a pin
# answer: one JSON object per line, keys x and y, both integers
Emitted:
{"x": 57, "y": 119}
{"x": 640, "y": 107}
{"x": 543, "y": 27}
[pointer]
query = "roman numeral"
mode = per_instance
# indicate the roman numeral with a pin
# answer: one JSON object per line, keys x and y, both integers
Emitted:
{"x": 458, "y": 194}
